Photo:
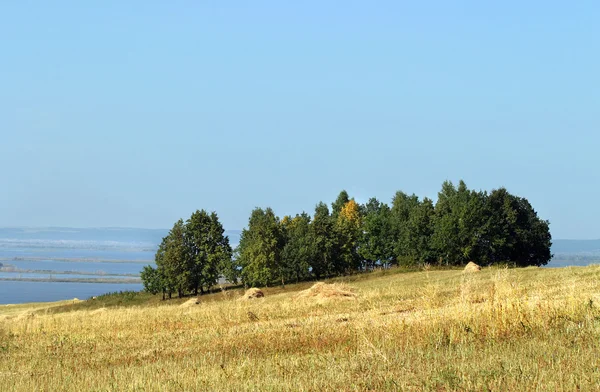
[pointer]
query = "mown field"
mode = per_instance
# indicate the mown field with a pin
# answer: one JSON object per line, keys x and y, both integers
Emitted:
{"x": 499, "y": 329}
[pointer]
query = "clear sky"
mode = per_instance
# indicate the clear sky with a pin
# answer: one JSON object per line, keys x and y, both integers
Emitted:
{"x": 136, "y": 113}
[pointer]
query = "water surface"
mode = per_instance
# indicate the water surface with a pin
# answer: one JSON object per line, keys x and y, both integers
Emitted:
{"x": 21, "y": 292}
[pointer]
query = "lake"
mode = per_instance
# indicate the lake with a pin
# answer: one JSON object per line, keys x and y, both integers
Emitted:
{"x": 59, "y": 253}
{"x": 96, "y": 267}
{"x": 20, "y": 292}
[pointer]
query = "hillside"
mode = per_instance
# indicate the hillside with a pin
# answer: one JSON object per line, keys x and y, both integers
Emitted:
{"x": 499, "y": 329}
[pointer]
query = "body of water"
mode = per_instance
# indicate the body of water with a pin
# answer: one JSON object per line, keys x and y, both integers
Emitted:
{"x": 20, "y": 292}
{"x": 89, "y": 253}
{"x": 44, "y": 275}
{"x": 94, "y": 267}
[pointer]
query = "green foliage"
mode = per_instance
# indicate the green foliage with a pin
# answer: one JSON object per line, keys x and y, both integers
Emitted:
{"x": 402, "y": 208}
{"x": 208, "y": 250}
{"x": 514, "y": 232}
{"x": 299, "y": 249}
{"x": 259, "y": 251}
{"x": 191, "y": 257}
{"x": 348, "y": 230}
{"x": 376, "y": 244}
{"x": 323, "y": 234}
{"x": 152, "y": 280}
{"x": 420, "y": 227}
{"x": 463, "y": 225}
{"x": 339, "y": 203}
{"x": 490, "y": 229}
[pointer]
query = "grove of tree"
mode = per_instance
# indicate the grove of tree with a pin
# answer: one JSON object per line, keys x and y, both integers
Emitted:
{"x": 462, "y": 225}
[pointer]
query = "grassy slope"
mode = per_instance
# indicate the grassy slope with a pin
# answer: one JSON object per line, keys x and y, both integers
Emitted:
{"x": 499, "y": 329}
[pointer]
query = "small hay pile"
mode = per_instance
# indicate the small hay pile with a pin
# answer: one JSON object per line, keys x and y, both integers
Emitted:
{"x": 471, "y": 267}
{"x": 252, "y": 293}
{"x": 190, "y": 302}
{"x": 323, "y": 291}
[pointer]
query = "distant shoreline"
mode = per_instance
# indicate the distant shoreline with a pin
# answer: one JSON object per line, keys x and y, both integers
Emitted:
{"x": 73, "y": 280}
{"x": 75, "y": 260}
{"x": 10, "y": 269}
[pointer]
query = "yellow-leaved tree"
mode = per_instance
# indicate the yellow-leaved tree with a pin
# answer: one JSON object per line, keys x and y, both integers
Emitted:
{"x": 348, "y": 230}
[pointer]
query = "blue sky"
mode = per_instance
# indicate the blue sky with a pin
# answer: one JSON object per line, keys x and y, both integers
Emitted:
{"x": 136, "y": 114}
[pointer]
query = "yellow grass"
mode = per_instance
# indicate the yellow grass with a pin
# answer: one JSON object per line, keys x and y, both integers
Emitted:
{"x": 526, "y": 329}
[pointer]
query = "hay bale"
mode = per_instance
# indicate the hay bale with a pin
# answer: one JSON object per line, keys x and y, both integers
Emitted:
{"x": 323, "y": 290}
{"x": 471, "y": 267}
{"x": 190, "y": 302}
{"x": 252, "y": 293}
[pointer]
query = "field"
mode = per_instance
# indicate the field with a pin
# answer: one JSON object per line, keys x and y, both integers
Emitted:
{"x": 499, "y": 329}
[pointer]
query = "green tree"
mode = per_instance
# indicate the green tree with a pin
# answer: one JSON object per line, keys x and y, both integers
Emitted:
{"x": 299, "y": 250}
{"x": 322, "y": 231}
{"x": 208, "y": 250}
{"x": 152, "y": 280}
{"x": 259, "y": 251}
{"x": 460, "y": 216}
{"x": 339, "y": 203}
{"x": 171, "y": 259}
{"x": 514, "y": 232}
{"x": 419, "y": 231}
{"x": 402, "y": 207}
{"x": 376, "y": 240}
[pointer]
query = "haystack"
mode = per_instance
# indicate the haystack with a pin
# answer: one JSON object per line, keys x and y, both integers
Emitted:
{"x": 253, "y": 293}
{"x": 190, "y": 302}
{"x": 322, "y": 290}
{"x": 471, "y": 267}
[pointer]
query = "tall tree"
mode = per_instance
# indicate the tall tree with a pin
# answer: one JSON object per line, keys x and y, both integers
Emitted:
{"x": 259, "y": 253}
{"x": 208, "y": 250}
{"x": 339, "y": 203}
{"x": 420, "y": 226}
{"x": 322, "y": 232}
{"x": 348, "y": 232}
{"x": 171, "y": 260}
{"x": 402, "y": 207}
{"x": 376, "y": 241}
{"x": 514, "y": 232}
{"x": 299, "y": 250}
{"x": 459, "y": 219}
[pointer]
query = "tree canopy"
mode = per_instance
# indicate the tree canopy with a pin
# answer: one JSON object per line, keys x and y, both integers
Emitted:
{"x": 462, "y": 225}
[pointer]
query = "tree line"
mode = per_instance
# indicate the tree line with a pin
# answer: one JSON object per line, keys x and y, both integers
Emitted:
{"x": 463, "y": 225}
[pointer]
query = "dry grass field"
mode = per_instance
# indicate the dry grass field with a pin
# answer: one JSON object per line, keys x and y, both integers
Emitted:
{"x": 498, "y": 329}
